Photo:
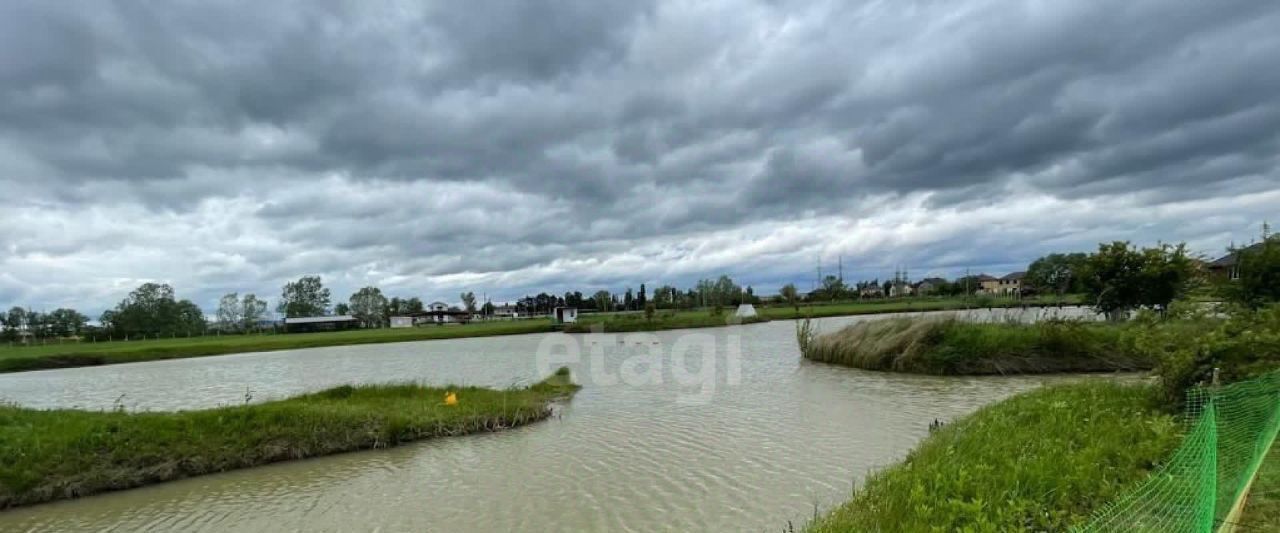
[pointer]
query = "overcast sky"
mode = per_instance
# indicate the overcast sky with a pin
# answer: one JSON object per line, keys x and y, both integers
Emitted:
{"x": 509, "y": 147}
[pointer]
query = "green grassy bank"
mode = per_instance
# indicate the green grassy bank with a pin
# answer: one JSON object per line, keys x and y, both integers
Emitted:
{"x": 1262, "y": 511}
{"x": 54, "y": 454}
{"x": 85, "y": 353}
{"x": 1040, "y": 461}
{"x": 953, "y": 346}
{"x": 911, "y": 305}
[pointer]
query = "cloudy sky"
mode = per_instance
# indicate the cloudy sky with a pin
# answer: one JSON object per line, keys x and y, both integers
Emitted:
{"x": 508, "y": 147}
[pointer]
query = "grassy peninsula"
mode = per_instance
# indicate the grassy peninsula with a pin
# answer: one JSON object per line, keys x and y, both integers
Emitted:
{"x": 55, "y": 454}
{"x": 87, "y": 352}
{"x": 1040, "y": 461}
{"x": 948, "y": 346}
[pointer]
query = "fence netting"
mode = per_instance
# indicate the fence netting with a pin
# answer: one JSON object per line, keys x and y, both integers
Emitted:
{"x": 1230, "y": 429}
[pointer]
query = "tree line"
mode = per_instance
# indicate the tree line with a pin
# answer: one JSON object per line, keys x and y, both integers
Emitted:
{"x": 61, "y": 322}
{"x": 1116, "y": 279}
{"x": 709, "y": 293}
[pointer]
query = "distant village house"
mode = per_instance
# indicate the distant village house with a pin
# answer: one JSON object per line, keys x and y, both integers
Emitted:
{"x": 320, "y": 323}
{"x": 1225, "y": 267}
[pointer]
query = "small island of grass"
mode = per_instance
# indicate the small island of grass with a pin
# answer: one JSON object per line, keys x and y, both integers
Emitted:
{"x": 48, "y": 455}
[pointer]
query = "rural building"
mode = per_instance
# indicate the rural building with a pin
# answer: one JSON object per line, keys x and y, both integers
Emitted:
{"x": 505, "y": 311}
{"x": 1011, "y": 284}
{"x": 565, "y": 315}
{"x": 928, "y": 285}
{"x": 442, "y": 313}
{"x": 1224, "y": 268}
{"x": 402, "y": 322}
{"x": 987, "y": 284}
{"x": 320, "y": 323}
{"x": 900, "y": 288}
{"x": 872, "y": 290}
{"x": 745, "y": 311}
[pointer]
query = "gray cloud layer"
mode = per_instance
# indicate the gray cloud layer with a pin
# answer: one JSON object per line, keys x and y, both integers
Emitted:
{"x": 502, "y": 147}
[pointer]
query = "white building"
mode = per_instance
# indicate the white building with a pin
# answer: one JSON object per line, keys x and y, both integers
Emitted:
{"x": 565, "y": 315}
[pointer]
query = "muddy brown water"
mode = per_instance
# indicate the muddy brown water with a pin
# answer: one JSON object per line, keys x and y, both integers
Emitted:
{"x": 735, "y": 432}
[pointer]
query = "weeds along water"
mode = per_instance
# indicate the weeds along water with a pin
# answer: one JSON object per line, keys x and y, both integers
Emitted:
{"x": 1000, "y": 344}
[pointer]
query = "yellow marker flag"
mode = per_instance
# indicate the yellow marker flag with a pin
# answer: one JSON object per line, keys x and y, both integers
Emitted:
{"x": 451, "y": 398}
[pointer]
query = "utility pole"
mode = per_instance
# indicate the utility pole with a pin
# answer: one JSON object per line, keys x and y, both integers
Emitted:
{"x": 819, "y": 284}
{"x": 967, "y": 280}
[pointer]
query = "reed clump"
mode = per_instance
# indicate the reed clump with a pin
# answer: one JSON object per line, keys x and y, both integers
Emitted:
{"x": 947, "y": 345}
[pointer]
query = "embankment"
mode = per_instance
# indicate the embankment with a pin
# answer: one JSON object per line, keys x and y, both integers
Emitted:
{"x": 1040, "y": 461}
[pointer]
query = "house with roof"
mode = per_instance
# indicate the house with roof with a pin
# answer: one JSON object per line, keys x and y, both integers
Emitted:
{"x": 320, "y": 323}
{"x": 1225, "y": 267}
{"x": 443, "y": 313}
{"x": 987, "y": 284}
{"x": 438, "y": 313}
{"x": 928, "y": 285}
{"x": 1010, "y": 284}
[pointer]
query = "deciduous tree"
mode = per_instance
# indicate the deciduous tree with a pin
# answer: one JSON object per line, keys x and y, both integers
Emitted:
{"x": 791, "y": 295}
{"x": 369, "y": 305}
{"x": 252, "y": 311}
{"x": 1058, "y": 273}
{"x": 305, "y": 297}
{"x": 1120, "y": 278}
{"x": 230, "y": 312}
{"x": 1257, "y": 276}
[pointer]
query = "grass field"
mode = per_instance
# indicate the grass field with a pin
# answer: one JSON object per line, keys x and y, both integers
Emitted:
{"x": 85, "y": 353}
{"x": 1040, "y": 461}
{"x": 1262, "y": 512}
{"x": 951, "y": 346}
{"x": 636, "y": 321}
{"x": 54, "y": 454}
{"x": 907, "y": 306}
{"x": 100, "y": 353}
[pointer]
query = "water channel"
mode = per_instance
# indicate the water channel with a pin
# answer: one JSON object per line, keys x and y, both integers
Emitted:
{"x": 766, "y": 439}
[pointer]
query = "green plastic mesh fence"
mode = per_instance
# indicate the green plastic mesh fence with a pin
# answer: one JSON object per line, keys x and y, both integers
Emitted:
{"x": 1230, "y": 429}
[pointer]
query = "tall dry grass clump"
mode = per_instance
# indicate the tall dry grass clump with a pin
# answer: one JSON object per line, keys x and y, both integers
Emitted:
{"x": 889, "y": 344}
{"x": 947, "y": 345}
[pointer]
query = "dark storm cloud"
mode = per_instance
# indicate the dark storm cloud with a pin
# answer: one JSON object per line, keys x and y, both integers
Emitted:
{"x": 391, "y": 140}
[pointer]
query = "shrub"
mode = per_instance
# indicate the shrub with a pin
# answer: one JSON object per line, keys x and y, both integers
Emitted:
{"x": 1189, "y": 346}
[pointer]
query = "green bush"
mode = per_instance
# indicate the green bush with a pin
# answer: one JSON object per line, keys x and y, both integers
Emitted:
{"x": 1190, "y": 343}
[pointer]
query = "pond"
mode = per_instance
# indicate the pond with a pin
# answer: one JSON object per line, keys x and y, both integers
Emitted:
{"x": 723, "y": 429}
